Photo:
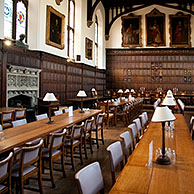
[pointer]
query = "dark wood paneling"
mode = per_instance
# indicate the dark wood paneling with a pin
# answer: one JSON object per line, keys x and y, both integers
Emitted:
{"x": 63, "y": 78}
{"x": 175, "y": 65}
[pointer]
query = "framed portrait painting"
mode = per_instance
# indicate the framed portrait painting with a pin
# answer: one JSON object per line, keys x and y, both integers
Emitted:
{"x": 155, "y": 28}
{"x": 55, "y": 28}
{"x": 131, "y": 31}
{"x": 89, "y": 46}
{"x": 180, "y": 30}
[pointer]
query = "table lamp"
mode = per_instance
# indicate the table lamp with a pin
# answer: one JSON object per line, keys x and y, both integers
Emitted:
{"x": 94, "y": 92}
{"x": 163, "y": 114}
{"x": 120, "y": 91}
{"x": 49, "y": 97}
{"x": 169, "y": 101}
{"x": 81, "y": 94}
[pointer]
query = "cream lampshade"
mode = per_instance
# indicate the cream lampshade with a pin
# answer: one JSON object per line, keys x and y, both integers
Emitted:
{"x": 163, "y": 114}
{"x": 127, "y": 91}
{"x": 50, "y": 97}
{"x": 169, "y": 101}
{"x": 120, "y": 91}
{"x": 81, "y": 94}
{"x": 132, "y": 90}
{"x": 93, "y": 89}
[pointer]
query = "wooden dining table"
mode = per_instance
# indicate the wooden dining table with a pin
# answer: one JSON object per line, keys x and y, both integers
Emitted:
{"x": 177, "y": 178}
{"x": 17, "y": 136}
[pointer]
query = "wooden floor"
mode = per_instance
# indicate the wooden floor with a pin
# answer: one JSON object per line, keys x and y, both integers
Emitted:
{"x": 67, "y": 185}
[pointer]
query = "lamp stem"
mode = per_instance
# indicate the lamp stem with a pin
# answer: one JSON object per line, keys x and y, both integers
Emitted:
{"x": 50, "y": 121}
{"x": 81, "y": 111}
{"x": 163, "y": 139}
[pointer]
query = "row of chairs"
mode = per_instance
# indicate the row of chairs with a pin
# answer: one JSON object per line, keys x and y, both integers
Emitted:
{"x": 181, "y": 105}
{"x": 90, "y": 180}
{"x": 8, "y": 116}
{"x": 124, "y": 113}
{"x": 59, "y": 142}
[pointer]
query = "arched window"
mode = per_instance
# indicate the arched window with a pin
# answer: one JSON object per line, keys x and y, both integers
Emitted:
{"x": 96, "y": 41}
{"x": 15, "y": 18}
{"x": 71, "y": 26}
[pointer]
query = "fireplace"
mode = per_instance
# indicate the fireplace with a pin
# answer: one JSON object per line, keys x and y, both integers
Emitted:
{"x": 22, "y": 86}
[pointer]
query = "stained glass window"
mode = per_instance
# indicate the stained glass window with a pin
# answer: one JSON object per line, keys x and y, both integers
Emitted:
{"x": 20, "y": 19}
{"x": 8, "y": 10}
{"x": 15, "y": 20}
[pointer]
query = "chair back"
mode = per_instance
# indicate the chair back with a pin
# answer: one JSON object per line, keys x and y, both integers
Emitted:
{"x": 100, "y": 120}
{"x": 57, "y": 139}
{"x": 5, "y": 167}
{"x": 89, "y": 179}
{"x": 138, "y": 124}
{"x": 88, "y": 125}
{"x": 115, "y": 153}
{"x": 19, "y": 122}
{"x": 7, "y": 116}
{"x": 58, "y": 112}
{"x": 41, "y": 117}
{"x": 191, "y": 123}
{"x": 133, "y": 129}
{"x": 77, "y": 131}
{"x": 20, "y": 113}
{"x": 1, "y": 128}
{"x": 31, "y": 154}
{"x": 126, "y": 137}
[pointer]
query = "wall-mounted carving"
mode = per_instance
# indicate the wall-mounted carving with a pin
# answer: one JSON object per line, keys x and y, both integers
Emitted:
{"x": 23, "y": 81}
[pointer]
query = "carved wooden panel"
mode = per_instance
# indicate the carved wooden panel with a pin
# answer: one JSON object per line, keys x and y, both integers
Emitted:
{"x": 150, "y": 68}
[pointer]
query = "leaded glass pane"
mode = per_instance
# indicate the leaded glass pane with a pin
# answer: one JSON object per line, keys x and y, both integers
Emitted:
{"x": 8, "y": 12}
{"x": 21, "y": 19}
{"x": 71, "y": 44}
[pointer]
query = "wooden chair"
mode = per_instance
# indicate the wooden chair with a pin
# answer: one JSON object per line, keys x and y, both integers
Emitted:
{"x": 75, "y": 140}
{"x": 99, "y": 127}
{"x": 139, "y": 127}
{"x": 5, "y": 174}
{"x": 87, "y": 135}
{"x": 116, "y": 157}
{"x": 19, "y": 122}
{"x": 20, "y": 113}
{"x": 6, "y": 119}
{"x": 109, "y": 116}
{"x": 127, "y": 143}
{"x": 191, "y": 124}
{"x": 55, "y": 150}
{"x": 122, "y": 114}
{"x": 89, "y": 179}
{"x": 133, "y": 130}
{"x": 27, "y": 166}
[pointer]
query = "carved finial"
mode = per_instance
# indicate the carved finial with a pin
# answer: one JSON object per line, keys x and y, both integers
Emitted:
{"x": 89, "y": 23}
{"x": 106, "y": 37}
{"x": 58, "y": 2}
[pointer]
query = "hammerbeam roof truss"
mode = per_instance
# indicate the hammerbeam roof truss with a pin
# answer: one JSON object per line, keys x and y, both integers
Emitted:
{"x": 116, "y": 8}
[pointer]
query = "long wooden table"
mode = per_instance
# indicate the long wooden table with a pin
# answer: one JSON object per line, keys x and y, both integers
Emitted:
{"x": 176, "y": 178}
{"x": 19, "y": 135}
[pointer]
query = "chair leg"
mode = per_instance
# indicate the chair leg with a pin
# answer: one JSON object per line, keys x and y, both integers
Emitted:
{"x": 72, "y": 160}
{"x": 51, "y": 173}
{"x": 63, "y": 164}
{"x": 21, "y": 186}
{"x": 40, "y": 181}
{"x": 102, "y": 136}
{"x": 85, "y": 149}
{"x": 97, "y": 139}
{"x": 80, "y": 152}
{"x": 91, "y": 145}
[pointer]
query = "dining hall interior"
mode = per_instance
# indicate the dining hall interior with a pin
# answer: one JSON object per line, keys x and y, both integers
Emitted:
{"x": 96, "y": 96}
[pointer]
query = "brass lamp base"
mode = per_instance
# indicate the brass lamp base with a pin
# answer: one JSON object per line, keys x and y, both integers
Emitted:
{"x": 164, "y": 160}
{"x": 50, "y": 121}
{"x": 81, "y": 111}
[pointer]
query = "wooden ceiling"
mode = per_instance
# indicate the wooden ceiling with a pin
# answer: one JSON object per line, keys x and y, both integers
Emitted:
{"x": 122, "y": 7}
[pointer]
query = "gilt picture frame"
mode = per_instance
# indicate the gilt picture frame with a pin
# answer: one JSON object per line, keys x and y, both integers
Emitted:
{"x": 55, "y": 23}
{"x": 89, "y": 48}
{"x": 131, "y": 31}
{"x": 180, "y": 30}
{"x": 155, "y": 28}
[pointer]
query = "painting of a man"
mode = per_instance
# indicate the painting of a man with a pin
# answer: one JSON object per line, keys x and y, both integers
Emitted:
{"x": 131, "y": 33}
{"x": 55, "y": 29}
{"x": 180, "y": 30}
{"x": 155, "y": 31}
